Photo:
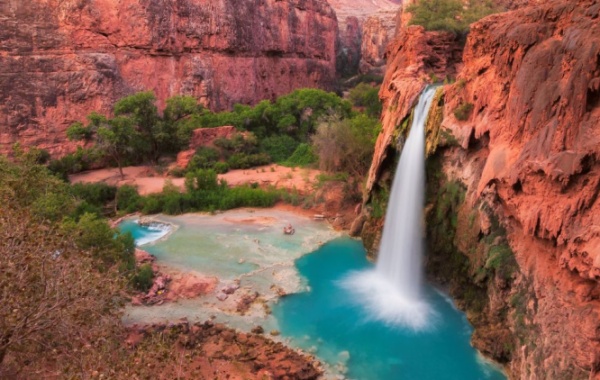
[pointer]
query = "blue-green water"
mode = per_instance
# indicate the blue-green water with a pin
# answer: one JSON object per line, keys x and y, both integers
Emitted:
{"x": 326, "y": 320}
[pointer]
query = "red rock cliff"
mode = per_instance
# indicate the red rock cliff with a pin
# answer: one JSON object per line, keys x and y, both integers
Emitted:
{"x": 366, "y": 27}
{"x": 527, "y": 155}
{"x": 533, "y": 147}
{"x": 61, "y": 59}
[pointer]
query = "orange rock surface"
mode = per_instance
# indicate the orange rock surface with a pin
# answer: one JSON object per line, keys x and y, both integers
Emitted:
{"x": 530, "y": 150}
{"x": 59, "y": 60}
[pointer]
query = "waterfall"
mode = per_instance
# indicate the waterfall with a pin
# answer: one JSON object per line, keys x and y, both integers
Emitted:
{"x": 401, "y": 250}
{"x": 392, "y": 292}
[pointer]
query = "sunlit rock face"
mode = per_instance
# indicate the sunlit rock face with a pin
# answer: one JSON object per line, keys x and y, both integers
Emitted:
{"x": 527, "y": 154}
{"x": 59, "y": 60}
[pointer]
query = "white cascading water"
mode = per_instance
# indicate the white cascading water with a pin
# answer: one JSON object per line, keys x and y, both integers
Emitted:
{"x": 392, "y": 292}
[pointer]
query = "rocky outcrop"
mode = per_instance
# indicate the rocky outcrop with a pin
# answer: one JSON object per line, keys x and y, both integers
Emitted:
{"x": 513, "y": 188}
{"x": 203, "y": 137}
{"x": 532, "y": 150}
{"x": 377, "y": 32}
{"x": 366, "y": 27}
{"x": 415, "y": 58}
{"x": 59, "y": 60}
{"x": 210, "y": 351}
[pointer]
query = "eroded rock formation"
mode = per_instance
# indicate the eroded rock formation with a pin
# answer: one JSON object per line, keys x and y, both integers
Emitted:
{"x": 59, "y": 60}
{"x": 366, "y": 28}
{"x": 514, "y": 185}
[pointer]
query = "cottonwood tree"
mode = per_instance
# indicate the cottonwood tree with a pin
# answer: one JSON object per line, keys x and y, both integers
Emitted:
{"x": 117, "y": 137}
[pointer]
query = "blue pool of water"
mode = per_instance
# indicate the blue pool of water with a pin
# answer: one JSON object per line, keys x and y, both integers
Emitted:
{"x": 143, "y": 234}
{"x": 324, "y": 320}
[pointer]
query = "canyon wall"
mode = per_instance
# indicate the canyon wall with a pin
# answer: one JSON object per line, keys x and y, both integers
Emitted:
{"x": 366, "y": 28}
{"x": 513, "y": 216}
{"x": 61, "y": 59}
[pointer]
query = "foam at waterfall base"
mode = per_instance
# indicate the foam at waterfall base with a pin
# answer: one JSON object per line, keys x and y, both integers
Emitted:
{"x": 383, "y": 302}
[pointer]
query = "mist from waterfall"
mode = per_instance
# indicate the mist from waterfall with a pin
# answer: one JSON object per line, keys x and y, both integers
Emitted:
{"x": 393, "y": 291}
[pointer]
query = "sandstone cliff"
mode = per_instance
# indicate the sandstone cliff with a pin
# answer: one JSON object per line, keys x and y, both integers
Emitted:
{"x": 514, "y": 216}
{"x": 59, "y": 60}
{"x": 366, "y": 28}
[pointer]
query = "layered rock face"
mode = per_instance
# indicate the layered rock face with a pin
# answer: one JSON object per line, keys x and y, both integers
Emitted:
{"x": 366, "y": 28}
{"x": 59, "y": 60}
{"x": 414, "y": 56}
{"x": 516, "y": 191}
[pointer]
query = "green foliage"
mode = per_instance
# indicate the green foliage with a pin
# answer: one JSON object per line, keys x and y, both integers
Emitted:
{"x": 346, "y": 145}
{"x": 143, "y": 278}
{"x": 379, "y": 201}
{"x": 449, "y": 15}
{"x": 97, "y": 194}
{"x": 302, "y": 156}
{"x": 221, "y": 167}
{"x": 108, "y": 246}
{"x": 367, "y": 96}
{"x": 204, "y": 158}
{"x": 128, "y": 199}
{"x": 139, "y": 113}
{"x": 324, "y": 177}
{"x": 117, "y": 138}
{"x": 279, "y": 147}
{"x": 463, "y": 112}
{"x": 295, "y": 115}
{"x": 502, "y": 260}
{"x": 82, "y": 159}
{"x": 245, "y": 161}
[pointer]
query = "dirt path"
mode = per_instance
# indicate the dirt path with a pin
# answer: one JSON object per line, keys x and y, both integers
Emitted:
{"x": 149, "y": 181}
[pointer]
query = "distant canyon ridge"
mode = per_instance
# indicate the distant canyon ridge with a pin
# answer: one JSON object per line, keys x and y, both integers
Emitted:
{"x": 62, "y": 59}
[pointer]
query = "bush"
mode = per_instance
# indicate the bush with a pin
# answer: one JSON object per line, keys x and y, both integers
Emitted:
{"x": 221, "y": 167}
{"x": 97, "y": 194}
{"x": 449, "y": 15}
{"x": 367, "y": 96}
{"x": 246, "y": 161}
{"x": 128, "y": 199}
{"x": 152, "y": 204}
{"x": 463, "y": 112}
{"x": 178, "y": 172}
{"x": 302, "y": 156}
{"x": 143, "y": 278}
{"x": 279, "y": 148}
{"x": 73, "y": 163}
{"x": 204, "y": 158}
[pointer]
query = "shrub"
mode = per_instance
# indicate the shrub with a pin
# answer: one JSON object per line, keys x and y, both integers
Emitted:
{"x": 152, "y": 204}
{"x": 302, "y": 156}
{"x": 143, "y": 278}
{"x": 279, "y": 147}
{"x": 463, "y": 112}
{"x": 367, "y": 96}
{"x": 245, "y": 161}
{"x": 178, "y": 172}
{"x": 204, "y": 158}
{"x": 221, "y": 167}
{"x": 128, "y": 199}
{"x": 97, "y": 194}
{"x": 449, "y": 15}
{"x": 81, "y": 160}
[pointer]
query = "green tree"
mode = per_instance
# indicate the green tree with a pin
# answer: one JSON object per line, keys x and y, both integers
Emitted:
{"x": 141, "y": 113}
{"x": 367, "y": 96}
{"x": 117, "y": 138}
{"x": 178, "y": 119}
{"x": 450, "y": 15}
